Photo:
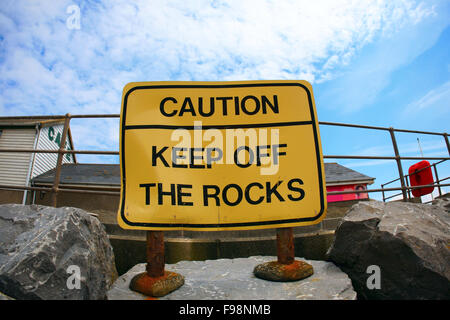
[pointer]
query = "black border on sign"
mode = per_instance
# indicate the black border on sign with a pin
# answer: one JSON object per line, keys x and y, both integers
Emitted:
{"x": 212, "y": 86}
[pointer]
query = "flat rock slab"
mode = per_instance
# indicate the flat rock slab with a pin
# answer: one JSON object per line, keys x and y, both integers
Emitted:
{"x": 233, "y": 279}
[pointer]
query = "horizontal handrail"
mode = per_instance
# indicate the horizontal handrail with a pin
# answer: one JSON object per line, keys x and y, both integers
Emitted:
{"x": 91, "y": 190}
{"x": 43, "y": 117}
{"x": 112, "y": 115}
{"x": 417, "y": 171}
{"x": 378, "y": 128}
{"x": 59, "y": 151}
{"x": 388, "y": 189}
{"x": 383, "y": 157}
{"x": 95, "y": 190}
{"x": 48, "y": 189}
{"x": 106, "y": 152}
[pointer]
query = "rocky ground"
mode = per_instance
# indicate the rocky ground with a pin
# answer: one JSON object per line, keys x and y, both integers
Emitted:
{"x": 233, "y": 279}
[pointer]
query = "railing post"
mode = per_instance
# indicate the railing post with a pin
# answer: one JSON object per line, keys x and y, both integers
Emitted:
{"x": 399, "y": 163}
{"x": 437, "y": 179}
{"x": 62, "y": 148}
{"x": 407, "y": 184}
{"x": 382, "y": 192}
{"x": 446, "y": 141}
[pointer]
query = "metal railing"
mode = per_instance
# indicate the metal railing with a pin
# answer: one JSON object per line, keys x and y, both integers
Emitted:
{"x": 405, "y": 188}
{"x": 407, "y": 177}
{"x": 55, "y": 189}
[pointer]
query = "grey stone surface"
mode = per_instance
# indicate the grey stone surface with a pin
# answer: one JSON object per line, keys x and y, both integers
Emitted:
{"x": 5, "y": 297}
{"x": 408, "y": 242}
{"x": 233, "y": 279}
{"x": 443, "y": 202}
{"x": 38, "y": 244}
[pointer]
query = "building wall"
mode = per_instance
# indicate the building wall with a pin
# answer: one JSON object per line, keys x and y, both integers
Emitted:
{"x": 11, "y": 196}
{"x": 50, "y": 139}
{"x": 17, "y": 168}
{"x": 14, "y": 167}
{"x": 88, "y": 202}
{"x": 348, "y": 196}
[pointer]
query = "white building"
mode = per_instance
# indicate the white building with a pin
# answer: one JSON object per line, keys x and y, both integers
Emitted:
{"x": 17, "y": 169}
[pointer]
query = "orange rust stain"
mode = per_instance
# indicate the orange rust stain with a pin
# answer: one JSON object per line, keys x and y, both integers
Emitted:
{"x": 292, "y": 266}
{"x": 290, "y": 270}
{"x": 293, "y": 270}
{"x": 151, "y": 298}
{"x": 145, "y": 281}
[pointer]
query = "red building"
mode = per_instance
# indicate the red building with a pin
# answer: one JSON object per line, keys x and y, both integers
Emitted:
{"x": 340, "y": 178}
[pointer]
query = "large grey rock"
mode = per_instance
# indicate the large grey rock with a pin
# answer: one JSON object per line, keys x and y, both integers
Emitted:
{"x": 408, "y": 242}
{"x": 233, "y": 279}
{"x": 443, "y": 202}
{"x": 37, "y": 246}
{"x": 5, "y": 297}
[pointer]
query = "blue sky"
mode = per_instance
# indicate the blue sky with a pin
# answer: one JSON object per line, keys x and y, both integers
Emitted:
{"x": 383, "y": 63}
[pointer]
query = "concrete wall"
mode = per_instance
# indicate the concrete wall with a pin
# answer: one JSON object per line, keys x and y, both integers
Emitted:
{"x": 131, "y": 251}
{"x": 88, "y": 202}
{"x": 108, "y": 205}
{"x": 311, "y": 242}
{"x": 11, "y": 196}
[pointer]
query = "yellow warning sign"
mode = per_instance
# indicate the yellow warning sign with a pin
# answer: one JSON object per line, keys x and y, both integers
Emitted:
{"x": 220, "y": 156}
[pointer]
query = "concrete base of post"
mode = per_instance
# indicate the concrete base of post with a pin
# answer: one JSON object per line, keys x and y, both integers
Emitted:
{"x": 276, "y": 271}
{"x": 156, "y": 282}
{"x": 286, "y": 268}
{"x": 156, "y": 286}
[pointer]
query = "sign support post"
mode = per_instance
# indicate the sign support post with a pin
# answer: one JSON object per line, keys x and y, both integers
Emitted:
{"x": 285, "y": 245}
{"x": 155, "y": 281}
{"x": 286, "y": 268}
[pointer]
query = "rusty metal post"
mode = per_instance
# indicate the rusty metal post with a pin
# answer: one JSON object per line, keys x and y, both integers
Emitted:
{"x": 285, "y": 245}
{"x": 155, "y": 253}
{"x": 407, "y": 185}
{"x": 62, "y": 147}
{"x": 437, "y": 179}
{"x": 155, "y": 281}
{"x": 446, "y": 142}
{"x": 399, "y": 163}
{"x": 286, "y": 268}
{"x": 382, "y": 192}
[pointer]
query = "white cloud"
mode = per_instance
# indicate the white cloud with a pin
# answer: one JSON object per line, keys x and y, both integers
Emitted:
{"x": 200, "y": 41}
{"x": 399, "y": 43}
{"x": 46, "y": 68}
{"x": 367, "y": 163}
{"x": 434, "y": 99}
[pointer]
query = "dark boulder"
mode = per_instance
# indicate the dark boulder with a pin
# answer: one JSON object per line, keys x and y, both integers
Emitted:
{"x": 42, "y": 248}
{"x": 409, "y": 243}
